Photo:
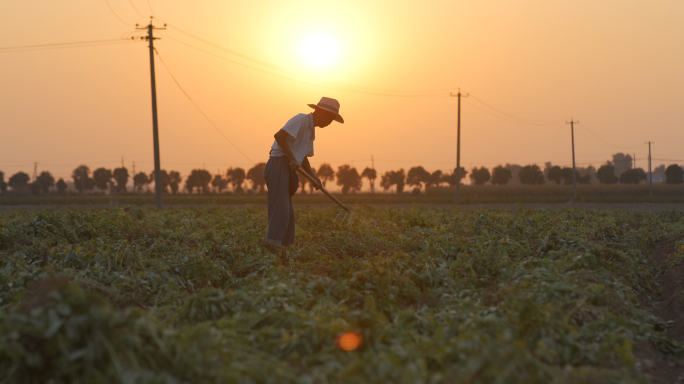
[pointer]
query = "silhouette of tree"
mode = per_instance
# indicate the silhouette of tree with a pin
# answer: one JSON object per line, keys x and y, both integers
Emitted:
{"x": 622, "y": 163}
{"x": 589, "y": 171}
{"x": 391, "y": 178}
{"x": 302, "y": 181}
{"x": 61, "y": 186}
{"x": 256, "y": 176}
{"x": 191, "y": 183}
{"x": 44, "y": 181}
{"x": 632, "y": 176}
{"x": 348, "y": 178}
{"x": 531, "y": 175}
{"x": 219, "y": 183}
{"x": 371, "y": 175}
{"x": 416, "y": 176}
{"x": 121, "y": 179}
{"x": 3, "y": 184}
{"x": 451, "y": 178}
{"x": 102, "y": 177}
{"x": 140, "y": 180}
{"x": 480, "y": 176}
{"x": 82, "y": 179}
{"x": 435, "y": 179}
{"x": 325, "y": 173}
{"x": 174, "y": 181}
{"x": 501, "y": 175}
{"x": 165, "y": 180}
{"x": 236, "y": 176}
{"x": 584, "y": 179}
{"x": 311, "y": 186}
{"x": 566, "y": 174}
{"x": 673, "y": 174}
{"x": 554, "y": 173}
{"x": 200, "y": 179}
{"x": 19, "y": 179}
{"x": 386, "y": 181}
{"x": 515, "y": 170}
{"x": 606, "y": 174}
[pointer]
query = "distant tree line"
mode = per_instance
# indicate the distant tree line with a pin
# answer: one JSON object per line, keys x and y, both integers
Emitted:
{"x": 619, "y": 170}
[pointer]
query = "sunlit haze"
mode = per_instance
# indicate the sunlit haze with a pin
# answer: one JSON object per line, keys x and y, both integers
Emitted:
{"x": 319, "y": 49}
{"x": 527, "y": 66}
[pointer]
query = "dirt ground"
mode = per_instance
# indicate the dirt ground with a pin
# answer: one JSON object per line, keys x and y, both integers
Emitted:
{"x": 643, "y": 207}
{"x": 669, "y": 307}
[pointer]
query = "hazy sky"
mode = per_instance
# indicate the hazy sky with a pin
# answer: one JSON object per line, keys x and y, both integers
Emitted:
{"x": 616, "y": 66}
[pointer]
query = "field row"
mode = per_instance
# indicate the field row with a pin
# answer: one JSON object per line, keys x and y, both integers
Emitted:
{"x": 321, "y": 199}
{"x": 193, "y": 295}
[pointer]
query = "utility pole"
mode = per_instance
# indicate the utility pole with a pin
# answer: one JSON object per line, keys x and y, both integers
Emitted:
{"x": 133, "y": 176}
{"x": 372, "y": 162}
{"x": 634, "y": 160}
{"x": 155, "y": 128}
{"x": 122, "y": 162}
{"x": 458, "y": 146}
{"x": 650, "y": 173}
{"x": 35, "y": 172}
{"x": 574, "y": 177}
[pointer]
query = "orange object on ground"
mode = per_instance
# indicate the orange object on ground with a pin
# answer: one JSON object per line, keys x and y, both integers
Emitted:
{"x": 349, "y": 341}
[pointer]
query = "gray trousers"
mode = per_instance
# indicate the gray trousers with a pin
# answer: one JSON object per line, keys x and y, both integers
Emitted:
{"x": 281, "y": 216}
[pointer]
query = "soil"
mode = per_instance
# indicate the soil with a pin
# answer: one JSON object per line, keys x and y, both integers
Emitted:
{"x": 669, "y": 306}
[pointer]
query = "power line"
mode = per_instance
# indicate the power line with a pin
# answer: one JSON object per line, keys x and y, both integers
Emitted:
{"x": 151, "y": 10}
{"x": 59, "y": 44}
{"x": 508, "y": 119}
{"x": 199, "y": 109}
{"x": 298, "y": 80}
{"x": 66, "y": 46}
{"x": 593, "y": 139}
{"x": 136, "y": 9}
{"x": 605, "y": 141}
{"x": 292, "y": 73}
{"x": 115, "y": 14}
{"x": 526, "y": 120}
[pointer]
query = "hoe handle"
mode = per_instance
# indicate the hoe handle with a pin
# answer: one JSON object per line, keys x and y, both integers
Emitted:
{"x": 314, "y": 182}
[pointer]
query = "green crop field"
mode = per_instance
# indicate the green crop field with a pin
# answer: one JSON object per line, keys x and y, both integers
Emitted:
{"x": 191, "y": 295}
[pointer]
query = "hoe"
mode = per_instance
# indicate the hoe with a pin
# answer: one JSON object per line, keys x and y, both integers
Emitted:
{"x": 344, "y": 209}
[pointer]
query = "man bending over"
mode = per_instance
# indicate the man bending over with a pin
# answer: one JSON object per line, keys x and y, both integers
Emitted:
{"x": 292, "y": 147}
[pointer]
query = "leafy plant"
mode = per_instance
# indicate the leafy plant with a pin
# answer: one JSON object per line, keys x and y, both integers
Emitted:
{"x": 192, "y": 295}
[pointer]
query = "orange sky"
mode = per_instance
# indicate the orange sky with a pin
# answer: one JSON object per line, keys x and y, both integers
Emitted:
{"x": 613, "y": 65}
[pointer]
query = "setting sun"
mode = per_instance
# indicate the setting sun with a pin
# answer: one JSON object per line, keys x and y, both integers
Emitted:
{"x": 319, "y": 49}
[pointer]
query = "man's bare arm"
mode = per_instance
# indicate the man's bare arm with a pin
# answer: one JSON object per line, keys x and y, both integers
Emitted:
{"x": 281, "y": 139}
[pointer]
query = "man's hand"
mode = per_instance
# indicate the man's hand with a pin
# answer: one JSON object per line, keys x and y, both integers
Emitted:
{"x": 294, "y": 165}
{"x": 319, "y": 185}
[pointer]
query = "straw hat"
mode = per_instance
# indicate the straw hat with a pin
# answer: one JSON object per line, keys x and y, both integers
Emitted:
{"x": 331, "y": 105}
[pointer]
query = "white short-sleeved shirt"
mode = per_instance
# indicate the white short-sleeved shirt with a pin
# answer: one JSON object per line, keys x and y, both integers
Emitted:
{"x": 302, "y": 134}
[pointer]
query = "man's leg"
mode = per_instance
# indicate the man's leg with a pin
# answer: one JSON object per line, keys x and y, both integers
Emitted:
{"x": 290, "y": 233}
{"x": 277, "y": 175}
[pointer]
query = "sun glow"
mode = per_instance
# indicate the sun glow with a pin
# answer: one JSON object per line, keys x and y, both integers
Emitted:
{"x": 319, "y": 50}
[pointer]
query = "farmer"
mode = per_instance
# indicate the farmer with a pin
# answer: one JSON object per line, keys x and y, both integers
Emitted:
{"x": 291, "y": 149}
